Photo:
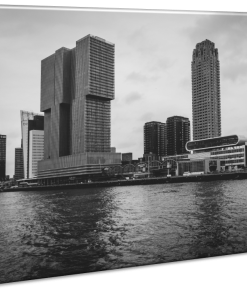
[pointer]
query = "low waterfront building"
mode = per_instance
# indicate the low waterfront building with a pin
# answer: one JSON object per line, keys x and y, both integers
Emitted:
{"x": 231, "y": 150}
{"x": 199, "y": 166}
{"x": 218, "y": 154}
{"x": 127, "y": 156}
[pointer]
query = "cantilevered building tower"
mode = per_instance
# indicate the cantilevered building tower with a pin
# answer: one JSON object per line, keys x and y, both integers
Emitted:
{"x": 77, "y": 86}
{"x": 206, "y": 108}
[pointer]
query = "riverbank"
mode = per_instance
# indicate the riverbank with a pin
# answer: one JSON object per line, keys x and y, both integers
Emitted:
{"x": 146, "y": 181}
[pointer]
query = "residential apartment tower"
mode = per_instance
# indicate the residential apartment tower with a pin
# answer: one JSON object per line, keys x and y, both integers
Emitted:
{"x": 19, "y": 169}
{"x": 3, "y": 139}
{"x": 178, "y": 134}
{"x": 206, "y": 105}
{"x": 155, "y": 139}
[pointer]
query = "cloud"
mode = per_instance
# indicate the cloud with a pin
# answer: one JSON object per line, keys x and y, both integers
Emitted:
{"x": 125, "y": 145}
{"x": 235, "y": 70}
{"x": 138, "y": 77}
{"x": 142, "y": 40}
{"x": 147, "y": 117}
{"x": 227, "y": 31}
{"x": 161, "y": 64}
{"x": 138, "y": 129}
{"x": 132, "y": 97}
{"x": 185, "y": 83}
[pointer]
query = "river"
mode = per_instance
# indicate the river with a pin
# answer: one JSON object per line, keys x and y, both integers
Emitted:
{"x": 52, "y": 233}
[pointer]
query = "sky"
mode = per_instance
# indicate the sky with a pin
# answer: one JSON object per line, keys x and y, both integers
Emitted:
{"x": 153, "y": 53}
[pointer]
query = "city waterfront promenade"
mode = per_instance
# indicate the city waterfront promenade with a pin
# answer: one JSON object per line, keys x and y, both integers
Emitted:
{"x": 147, "y": 181}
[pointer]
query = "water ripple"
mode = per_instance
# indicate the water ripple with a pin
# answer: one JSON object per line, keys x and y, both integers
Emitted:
{"x": 45, "y": 234}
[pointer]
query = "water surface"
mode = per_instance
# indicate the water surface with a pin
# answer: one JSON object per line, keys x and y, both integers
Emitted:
{"x": 53, "y": 233}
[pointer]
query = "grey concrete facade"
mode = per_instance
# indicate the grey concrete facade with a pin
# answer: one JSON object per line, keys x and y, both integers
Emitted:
{"x": 77, "y": 86}
{"x": 206, "y": 101}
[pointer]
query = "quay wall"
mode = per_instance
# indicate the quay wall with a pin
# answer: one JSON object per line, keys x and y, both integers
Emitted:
{"x": 146, "y": 181}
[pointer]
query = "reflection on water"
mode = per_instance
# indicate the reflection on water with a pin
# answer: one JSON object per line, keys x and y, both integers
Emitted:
{"x": 220, "y": 209}
{"x": 54, "y": 233}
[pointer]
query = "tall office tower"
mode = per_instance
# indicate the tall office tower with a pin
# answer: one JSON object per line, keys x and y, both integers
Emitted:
{"x": 77, "y": 86}
{"x": 178, "y": 134}
{"x": 155, "y": 139}
{"x": 26, "y": 125}
{"x": 19, "y": 170}
{"x": 3, "y": 139}
{"x": 35, "y": 144}
{"x": 206, "y": 108}
{"x": 36, "y": 151}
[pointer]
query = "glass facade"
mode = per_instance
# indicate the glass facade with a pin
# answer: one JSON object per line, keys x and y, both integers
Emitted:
{"x": 98, "y": 125}
{"x": 191, "y": 166}
{"x": 232, "y": 156}
{"x": 36, "y": 153}
{"x": 26, "y": 117}
{"x": 101, "y": 63}
{"x": 211, "y": 143}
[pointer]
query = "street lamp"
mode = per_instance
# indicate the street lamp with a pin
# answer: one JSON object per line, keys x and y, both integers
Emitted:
{"x": 168, "y": 167}
{"x": 149, "y": 164}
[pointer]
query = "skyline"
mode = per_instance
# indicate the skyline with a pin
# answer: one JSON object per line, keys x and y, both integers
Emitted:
{"x": 149, "y": 87}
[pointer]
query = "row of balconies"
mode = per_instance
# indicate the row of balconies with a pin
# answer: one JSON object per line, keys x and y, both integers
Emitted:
{"x": 99, "y": 61}
{"x": 108, "y": 71}
{"x": 98, "y": 56}
{"x": 92, "y": 107}
{"x": 97, "y": 84}
{"x": 101, "y": 46}
{"x": 99, "y": 77}
{"x": 100, "y": 116}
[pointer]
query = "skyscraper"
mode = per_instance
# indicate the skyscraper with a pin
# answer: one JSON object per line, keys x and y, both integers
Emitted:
{"x": 36, "y": 151}
{"x": 178, "y": 134}
{"x": 3, "y": 139}
{"x": 206, "y": 108}
{"x": 155, "y": 139}
{"x": 19, "y": 170}
{"x": 35, "y": 144}
{"x": 77, "y": 86}
{"x": 29, "y": 121}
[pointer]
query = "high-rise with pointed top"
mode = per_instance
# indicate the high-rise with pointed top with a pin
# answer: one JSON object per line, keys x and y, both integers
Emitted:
{"x": 206, "y": 103}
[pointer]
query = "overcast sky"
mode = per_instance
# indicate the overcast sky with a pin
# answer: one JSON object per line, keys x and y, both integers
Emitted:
{"x": 153, "y": 53}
